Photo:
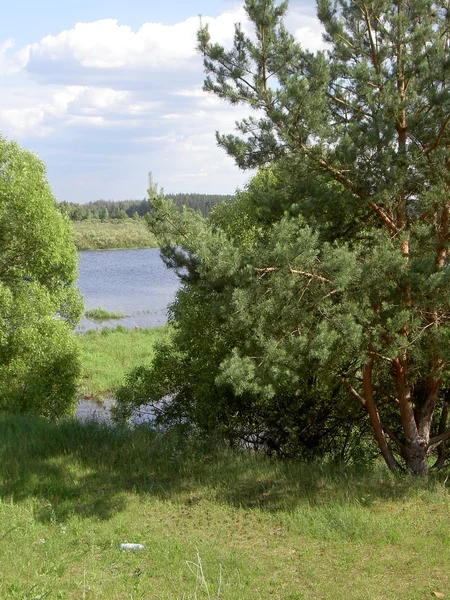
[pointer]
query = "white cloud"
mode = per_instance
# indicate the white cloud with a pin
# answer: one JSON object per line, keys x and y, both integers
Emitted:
{"x": 108, "y": 45}
{"x": 21, "y": 121}
{"x": 12, "y": 63}
{"x": 117, "y": 102}
{"x": 309, "y": 34}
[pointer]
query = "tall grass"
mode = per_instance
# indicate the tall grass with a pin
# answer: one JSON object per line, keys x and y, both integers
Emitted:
{"x": 215, "y": 523}
{"x": 108, "y": 354}
{"x": 101, "y": 314}
{"x": 112, "y": 235}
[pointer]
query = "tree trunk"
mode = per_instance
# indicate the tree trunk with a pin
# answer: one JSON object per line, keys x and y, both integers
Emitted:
{"x": 415, "y": 450}
{"x": 375, "y": 418}
{"x": 416, "y": 458}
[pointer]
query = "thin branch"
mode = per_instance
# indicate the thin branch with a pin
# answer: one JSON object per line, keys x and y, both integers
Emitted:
{"x": 372, "y": 44}
{"x": 390, "y": 360}
{"x": 348, "y": 105}
{"x": 390, "y": 223}
{"x": 393, "y": 437}
{"x": 439, "y": 439}
{"x": 310, "y": 275}
{"x": 265, "y": 270}
{"x": 441, "y": 132}
{"x": 330, "y": 294}
{"x": 420, "y": 333}
{"x": 351, "y": 390}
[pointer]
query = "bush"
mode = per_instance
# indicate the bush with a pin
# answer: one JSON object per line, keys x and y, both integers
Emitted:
{"x": 40, "y": 306}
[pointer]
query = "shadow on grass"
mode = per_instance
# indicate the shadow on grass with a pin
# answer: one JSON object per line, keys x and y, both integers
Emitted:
{"x": 88, "y": 469}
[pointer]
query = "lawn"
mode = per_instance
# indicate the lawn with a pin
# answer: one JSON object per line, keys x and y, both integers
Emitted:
{"x": 215, "y": 523}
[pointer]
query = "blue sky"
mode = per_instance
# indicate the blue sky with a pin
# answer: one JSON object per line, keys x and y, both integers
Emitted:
{"x": 106, "y": 90}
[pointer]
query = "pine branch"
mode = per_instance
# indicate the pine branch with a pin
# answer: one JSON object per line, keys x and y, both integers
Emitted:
{"x": 310, "y": 275}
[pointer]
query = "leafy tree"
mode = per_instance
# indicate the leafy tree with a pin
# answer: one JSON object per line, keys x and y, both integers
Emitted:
{"x": 40, "y": 306}
{"x": 99, "y": 208}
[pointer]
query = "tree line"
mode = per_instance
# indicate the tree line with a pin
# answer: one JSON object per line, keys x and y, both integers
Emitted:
{"x": 127, "y": 209}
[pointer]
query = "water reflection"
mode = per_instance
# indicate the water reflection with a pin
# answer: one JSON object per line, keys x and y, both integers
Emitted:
{"x": 100, "y": 411}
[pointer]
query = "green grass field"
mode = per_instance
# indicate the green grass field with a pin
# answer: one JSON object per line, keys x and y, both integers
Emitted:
{"x": 108, "y": 354}
{"x": 214, "y": 523}
{"x": 112, "y": 235}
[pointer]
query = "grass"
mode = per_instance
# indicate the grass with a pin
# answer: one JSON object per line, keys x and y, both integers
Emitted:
{"x": 101, "y": 314}
{"x": 112, "y": 235}
{"x": 214, "y": 523}
{"x": 108, "y": 354}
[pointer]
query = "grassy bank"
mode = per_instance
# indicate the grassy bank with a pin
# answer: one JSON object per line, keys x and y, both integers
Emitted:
{"x": 112, "y": 235}
{"x": 215, "y": 524}
{"x": 108, "y": 354}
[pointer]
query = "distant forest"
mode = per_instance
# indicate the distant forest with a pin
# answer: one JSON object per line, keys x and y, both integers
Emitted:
{"x": 110, "y": 209}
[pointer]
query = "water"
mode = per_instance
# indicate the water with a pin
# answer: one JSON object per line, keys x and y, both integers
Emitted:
{"x": 134, "y": 282}
{"x": 100, "y": 411}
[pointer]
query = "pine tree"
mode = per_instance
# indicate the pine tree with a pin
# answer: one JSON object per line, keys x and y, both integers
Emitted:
{"x": 361, "y": 133}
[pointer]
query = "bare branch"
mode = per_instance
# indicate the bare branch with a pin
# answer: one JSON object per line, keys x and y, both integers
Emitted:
{"x": 439, "y": 439}
{"x": 310, "y": 275}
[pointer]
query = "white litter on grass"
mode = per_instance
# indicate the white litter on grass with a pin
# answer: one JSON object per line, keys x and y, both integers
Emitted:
{"x": 129, "y": 547}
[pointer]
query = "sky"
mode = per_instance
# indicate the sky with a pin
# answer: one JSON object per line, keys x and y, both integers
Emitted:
{"x": 105, "y": 91}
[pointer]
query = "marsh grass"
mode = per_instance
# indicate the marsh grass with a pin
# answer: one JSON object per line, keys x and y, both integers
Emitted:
{"x": 101, "y": 314}
{"x": 215, "y": 523}
{"x": 112, "y": 235}
{"x": 108, "y": 354}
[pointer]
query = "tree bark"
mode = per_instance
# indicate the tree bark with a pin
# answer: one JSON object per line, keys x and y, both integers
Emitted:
{"x": 415, "y": 451}
{"x": 375, "y": 417}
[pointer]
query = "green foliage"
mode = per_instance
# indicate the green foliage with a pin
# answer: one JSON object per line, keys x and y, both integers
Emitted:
{"x": 101, "y": 314}
{"x": 39, "y": 362}
{"x": 326, "y": 282}
{"x": 122, "y": 209}
{"x": 201, "y": 375}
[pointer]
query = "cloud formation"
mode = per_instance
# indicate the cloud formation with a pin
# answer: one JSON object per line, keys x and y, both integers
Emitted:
{"x": 103, "y": 96}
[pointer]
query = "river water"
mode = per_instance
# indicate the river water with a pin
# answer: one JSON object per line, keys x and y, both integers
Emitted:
{"x": 134, "y": 282}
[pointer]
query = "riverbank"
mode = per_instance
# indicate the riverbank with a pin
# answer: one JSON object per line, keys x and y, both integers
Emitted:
{"x": 214, "y": 523}
{"x": 110, "y": 353}
{"x": 114, "y": 234}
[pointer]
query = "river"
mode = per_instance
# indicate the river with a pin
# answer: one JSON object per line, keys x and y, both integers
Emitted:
{"x": 134, "y": 282}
